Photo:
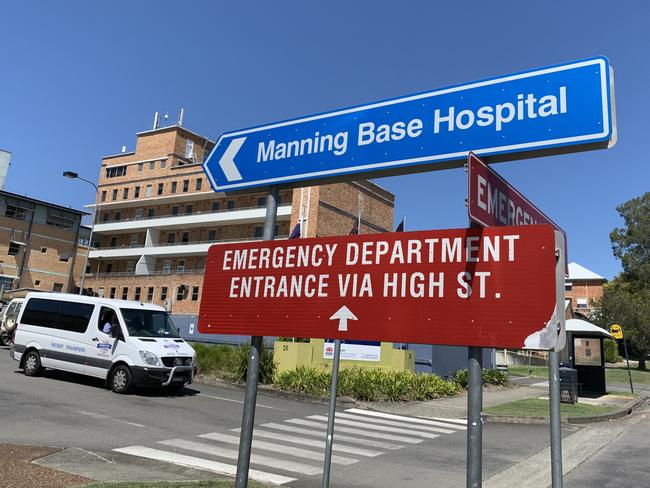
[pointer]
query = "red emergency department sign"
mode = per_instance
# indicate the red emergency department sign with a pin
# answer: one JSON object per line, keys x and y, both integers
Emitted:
{"x": 492, "y": 287}
{"x": 492, "y": 201}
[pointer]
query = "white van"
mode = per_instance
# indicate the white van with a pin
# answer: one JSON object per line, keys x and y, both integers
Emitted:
{"x": 126, "y": 343}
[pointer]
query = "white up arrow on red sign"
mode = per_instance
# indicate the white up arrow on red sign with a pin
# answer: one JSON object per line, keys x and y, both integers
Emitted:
{"x": 343, "y": 314}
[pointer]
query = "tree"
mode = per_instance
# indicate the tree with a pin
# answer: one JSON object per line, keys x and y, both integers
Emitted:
{"x": 631, "y": 243}
{"x": 624, "y": 303}
{"x": 626, "y": 299}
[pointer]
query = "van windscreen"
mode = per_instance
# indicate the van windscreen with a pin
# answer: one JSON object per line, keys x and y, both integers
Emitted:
{"x": 148, "y": 323}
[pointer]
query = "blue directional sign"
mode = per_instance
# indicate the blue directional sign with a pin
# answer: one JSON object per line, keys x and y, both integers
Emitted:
{"x": 562, "y": 108}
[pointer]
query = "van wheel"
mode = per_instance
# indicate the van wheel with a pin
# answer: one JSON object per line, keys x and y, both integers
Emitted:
{"x": 121, "y": 379}
{"x": 32, "y": 364}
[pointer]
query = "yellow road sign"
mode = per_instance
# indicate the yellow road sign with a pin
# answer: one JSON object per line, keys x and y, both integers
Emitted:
{"x": 616, "y": 330}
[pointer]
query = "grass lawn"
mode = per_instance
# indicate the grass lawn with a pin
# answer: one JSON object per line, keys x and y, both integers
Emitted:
{"x": 619, "y": 375}
{"x": 534, "y": 407}
{"x": 534, "y": 371}
{"x": 174, "y": 484}
{"x": 612, "y": 375}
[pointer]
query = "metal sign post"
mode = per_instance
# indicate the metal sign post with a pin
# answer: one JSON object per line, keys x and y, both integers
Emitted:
{"x": 556, "y": 430}
{"x": 474, "y": 417}
{"x": 554, "y": 364}
{"x": 617, "y": 332}
{"x": 486, "y": 189}
{"x": 628, "y": 365}
{"x": 252, "y": 377}
{"x": 332, "y": 412}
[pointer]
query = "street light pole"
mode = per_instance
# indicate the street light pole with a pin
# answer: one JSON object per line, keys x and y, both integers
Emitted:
{"x": 72, "y": 175}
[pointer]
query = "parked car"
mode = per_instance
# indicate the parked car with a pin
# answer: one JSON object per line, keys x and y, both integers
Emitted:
{"x": 8, "y": 319}
{"x": 126, "y": 343}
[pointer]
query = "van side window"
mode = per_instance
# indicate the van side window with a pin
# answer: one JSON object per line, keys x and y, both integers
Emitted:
{"x": 40, "y": 312}
{"x": 74, "y": 317}
{"x": 57, "y": 314}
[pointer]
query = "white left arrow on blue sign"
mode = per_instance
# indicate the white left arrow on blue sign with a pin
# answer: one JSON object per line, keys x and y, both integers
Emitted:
{"x": 227, "y": 161}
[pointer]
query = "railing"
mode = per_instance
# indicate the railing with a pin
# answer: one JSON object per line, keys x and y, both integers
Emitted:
{"x": 181, "y": 243}
{"x": 179, "y": 214}
{"x": 123, "y": 274}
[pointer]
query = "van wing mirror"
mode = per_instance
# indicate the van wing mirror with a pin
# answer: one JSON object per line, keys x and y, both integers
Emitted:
{"x": 115, "y": 331}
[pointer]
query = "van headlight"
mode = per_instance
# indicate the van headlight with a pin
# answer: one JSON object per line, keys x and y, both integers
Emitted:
{"x": 149, "y": 358}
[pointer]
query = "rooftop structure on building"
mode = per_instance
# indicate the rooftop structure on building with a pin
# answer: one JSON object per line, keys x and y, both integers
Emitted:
{"x": 577, "y": 272}
{"x": 157, "y": 216}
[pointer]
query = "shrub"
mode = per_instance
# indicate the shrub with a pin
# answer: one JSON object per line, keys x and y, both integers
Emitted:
{"x": 368, "y": 384}
{"x": 490, "y": 377}
{"x": 460, "y": 378}
{"x": 238, "y": 368}
{"x": 495, "y": 377}
{"x": 611, "y": 351}
{"x": 212, "y": 359}
{"x": 231, "y": 362}
{"x": 305, "y": 380}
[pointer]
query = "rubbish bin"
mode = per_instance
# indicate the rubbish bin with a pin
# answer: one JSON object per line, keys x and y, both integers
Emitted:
{"x": 568, "y": 385}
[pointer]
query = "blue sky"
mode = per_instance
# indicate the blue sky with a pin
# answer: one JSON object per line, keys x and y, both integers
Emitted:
{"x": 79, "y": 79}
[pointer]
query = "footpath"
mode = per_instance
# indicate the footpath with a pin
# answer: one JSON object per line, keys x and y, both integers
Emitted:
{"x": 577, "y": 446}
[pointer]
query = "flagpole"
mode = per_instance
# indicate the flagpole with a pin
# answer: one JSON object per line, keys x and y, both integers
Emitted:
{"x": 359, "y": 213}
{"x": 302, "y": 209}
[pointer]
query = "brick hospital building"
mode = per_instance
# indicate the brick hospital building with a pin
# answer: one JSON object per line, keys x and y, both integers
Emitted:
{"x": 157, "y": 216}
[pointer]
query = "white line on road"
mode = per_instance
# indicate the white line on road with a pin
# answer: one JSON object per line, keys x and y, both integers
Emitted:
{"x": 346, "y": 438}
{"x": 289, "y": 450}
{"x": 367, "y": 420}
{"x": 440, "y": 422}
{"x": 365, "y": 433}
{"x": 205, "y": 464}
{"x": 215, "y": 450}
{"x": 382, "y": 428}
{"x": 277, "y": 436}
{"x": 234, "y": 401}
{"x": 106, "y": 417}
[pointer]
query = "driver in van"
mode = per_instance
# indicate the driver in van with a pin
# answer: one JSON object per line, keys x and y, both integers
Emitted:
{"x": 107, "y": 320}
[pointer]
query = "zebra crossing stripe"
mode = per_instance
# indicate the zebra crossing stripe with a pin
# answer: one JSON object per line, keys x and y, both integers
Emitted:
{"x": 289, "y": 450}
{"x": 440, "y": 422}
{"x": 365, "y": 433}
{"x": 382, "y": 428}
{"x": 339, "y": 437}
{"x": 358, "y": 451}
{"x": 204, "y": 464}
{"x": 373, "y": 420}
{"x": 215, "y": 450}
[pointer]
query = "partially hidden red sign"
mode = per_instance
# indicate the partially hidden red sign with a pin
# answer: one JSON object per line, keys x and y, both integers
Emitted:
{"x": 492, "y": 201}
{"x": 490, "y": 287}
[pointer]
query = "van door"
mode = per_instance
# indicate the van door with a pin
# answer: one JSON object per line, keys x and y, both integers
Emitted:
{"x": 101, "y": 345}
